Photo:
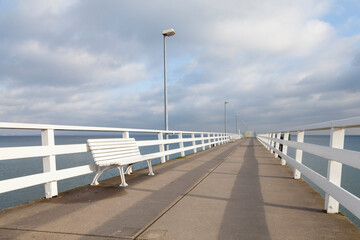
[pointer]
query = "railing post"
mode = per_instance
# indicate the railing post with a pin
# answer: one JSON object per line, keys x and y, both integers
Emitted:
{"x": 125, "y": 135}
{"x": 299, "y": 153}
{"x": 202, "y": 141}
{"x": 337, "y": 138}
{"x": 167, "y": 147}
{"x": 272, "y": 135}
{"x": 181, "y": 144}
{"x": 194, "y": 142}
{"x": 209, "y": 140}
{"x": 285, "y": 147}
{"x": 49, "y": 162}
{"x": 266, "y": 141}
{"x": 161, "y": 147}
{"x": 277, "y": 144}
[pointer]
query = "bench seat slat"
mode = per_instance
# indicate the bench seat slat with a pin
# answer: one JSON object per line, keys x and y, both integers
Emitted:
{"x": 94, "y": 141}
{"x": 113, "y": 143}
{"x": 109, "y": 150}
{"x": 113, "y": 146}
{"x": 124, "y": 161}
{"x": 118, "y": 156}
{"x": 115, "y": 152}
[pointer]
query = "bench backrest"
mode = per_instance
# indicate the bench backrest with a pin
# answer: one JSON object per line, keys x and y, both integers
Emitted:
{"x": 114, "y": 150}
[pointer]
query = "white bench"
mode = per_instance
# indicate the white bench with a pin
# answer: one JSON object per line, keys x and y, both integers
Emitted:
{"x": 116, "y": 152}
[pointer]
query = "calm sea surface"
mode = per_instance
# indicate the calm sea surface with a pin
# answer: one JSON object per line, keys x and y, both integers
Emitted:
{"x": 23, "y": 167}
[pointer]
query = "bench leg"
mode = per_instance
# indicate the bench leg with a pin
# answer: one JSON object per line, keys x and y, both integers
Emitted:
{"x": 129, "y": 169}
{"x": 122, "y": 176}
{"x": 99, "y": 172}
{"x": 150, "y": 168}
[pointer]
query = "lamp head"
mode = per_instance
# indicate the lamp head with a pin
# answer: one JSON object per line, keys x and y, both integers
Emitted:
{"x": 168, "y": 32}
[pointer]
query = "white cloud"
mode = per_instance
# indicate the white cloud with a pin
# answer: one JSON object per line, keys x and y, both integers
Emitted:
{"x": 77, "y": 62}
{"x": 37, "y": 8}
{"x": 64, "y": 66}
{"x": 281, "y": 32}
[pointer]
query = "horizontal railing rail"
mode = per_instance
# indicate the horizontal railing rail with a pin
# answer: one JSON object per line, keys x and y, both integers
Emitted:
{"x": 342, "y": 123}
{"x": 49, "y": 150}
{"x": 334, "y": 153}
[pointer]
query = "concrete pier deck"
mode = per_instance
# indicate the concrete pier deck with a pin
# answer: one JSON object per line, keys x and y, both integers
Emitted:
{"x": 234, "y": 191}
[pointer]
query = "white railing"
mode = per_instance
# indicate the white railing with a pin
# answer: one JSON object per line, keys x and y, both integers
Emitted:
{"x": 49, "y": 150}
{"x": 336, "y": 155}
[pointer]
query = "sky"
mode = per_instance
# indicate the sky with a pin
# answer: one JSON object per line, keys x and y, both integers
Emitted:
{"x": 279, "y": 63}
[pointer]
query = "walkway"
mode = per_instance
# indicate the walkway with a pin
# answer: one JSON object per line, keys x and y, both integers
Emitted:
{"x": 234, "y": 191}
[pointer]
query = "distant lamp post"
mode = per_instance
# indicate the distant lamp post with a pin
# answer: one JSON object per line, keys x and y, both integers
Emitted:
{"x": 236, "y": 121}
{"x": 241, "y": 122}
{"x": 166, "y": 33}
{"x": 226, "y": 102}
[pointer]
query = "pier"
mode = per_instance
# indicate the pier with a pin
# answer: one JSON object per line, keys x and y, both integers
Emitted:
{"x": 236, "y": 190}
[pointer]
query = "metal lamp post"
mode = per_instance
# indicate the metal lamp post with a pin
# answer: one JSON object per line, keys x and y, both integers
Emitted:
{"x": 166, "y": 33}
{"x": 226, "y": 102}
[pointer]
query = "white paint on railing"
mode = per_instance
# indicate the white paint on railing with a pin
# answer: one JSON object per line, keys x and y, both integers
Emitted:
{"x": 126, "y": 134}
{"x": 49, "y": 162}
{"x": 277, "y": 144}
{"x": 337, "y": 138}
{"x": 193, "y": 141}
{"x": 299, "y": 154}
{"x": 285, "y": 147}
{"x": 49, "y": 150}
{"x": 335, "y": 154}
{"x": 161, "y": 147}
{"x": 202, "y": 141}
{"x": 181, "y": 144}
